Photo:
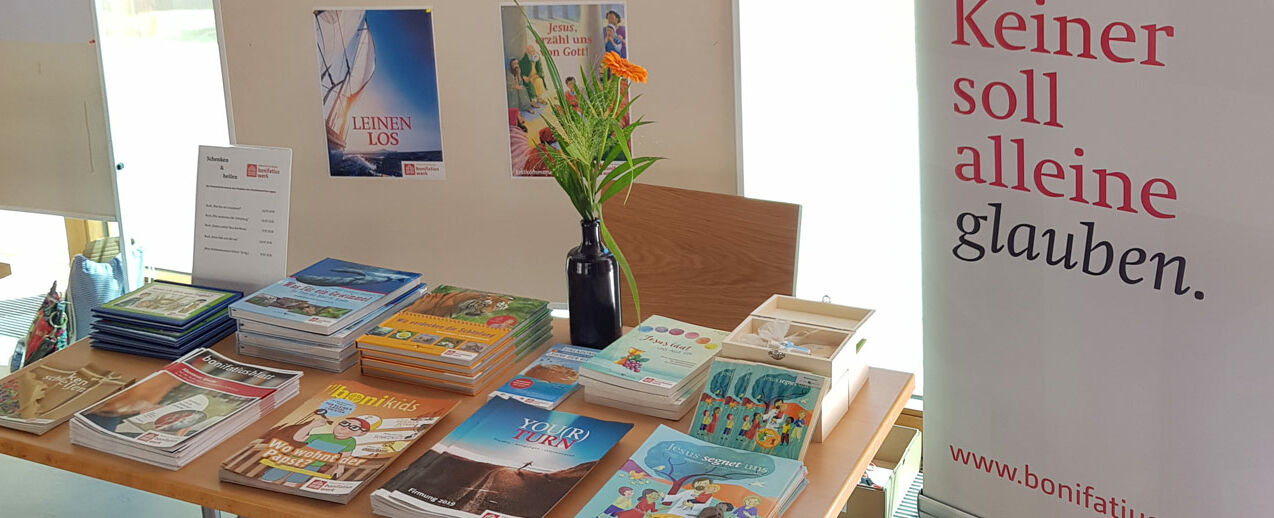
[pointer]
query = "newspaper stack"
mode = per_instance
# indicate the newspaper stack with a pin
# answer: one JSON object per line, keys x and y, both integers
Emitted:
{"x": 181, "y": 411}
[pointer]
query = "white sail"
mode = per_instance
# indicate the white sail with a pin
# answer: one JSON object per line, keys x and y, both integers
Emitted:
{"x": 347, "y": 59}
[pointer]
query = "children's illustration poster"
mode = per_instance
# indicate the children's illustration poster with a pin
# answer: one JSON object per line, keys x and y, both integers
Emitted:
{"x": 577, "y": 36}
{"x": 378, "y": 84}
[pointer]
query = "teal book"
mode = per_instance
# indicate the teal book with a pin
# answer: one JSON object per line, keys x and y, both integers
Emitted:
{"x": 758, "y": 407}
{"x": 657, "y": 357}
{"x": 673, "y": 474}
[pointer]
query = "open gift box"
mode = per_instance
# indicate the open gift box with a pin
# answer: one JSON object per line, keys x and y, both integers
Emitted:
{"x": 828, "y": 332}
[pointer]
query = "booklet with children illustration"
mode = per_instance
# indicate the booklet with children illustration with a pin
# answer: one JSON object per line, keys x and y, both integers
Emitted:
{"x": 758, "y": 407}
{"x": 331, "y": 446}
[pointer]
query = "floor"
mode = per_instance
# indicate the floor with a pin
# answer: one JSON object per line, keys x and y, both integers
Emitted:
{"x": 47, "y": 492}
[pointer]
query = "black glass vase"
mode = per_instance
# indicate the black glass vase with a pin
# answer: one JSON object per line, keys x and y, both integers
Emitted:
{"x": 592, "y": 285}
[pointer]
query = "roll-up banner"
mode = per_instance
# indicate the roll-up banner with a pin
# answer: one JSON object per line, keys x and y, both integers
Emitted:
{"x": 1098, "y": 254}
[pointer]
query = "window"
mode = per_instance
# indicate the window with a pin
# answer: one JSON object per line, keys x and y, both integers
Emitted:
{"x": 164, "y": 92}
{"x": 828, "y": 95}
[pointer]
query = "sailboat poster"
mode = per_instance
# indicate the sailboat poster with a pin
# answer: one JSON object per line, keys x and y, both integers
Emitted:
{"x": 378, "y": 82}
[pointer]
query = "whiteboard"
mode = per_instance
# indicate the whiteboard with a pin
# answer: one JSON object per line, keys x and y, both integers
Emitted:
{"x": 53, "y": 129}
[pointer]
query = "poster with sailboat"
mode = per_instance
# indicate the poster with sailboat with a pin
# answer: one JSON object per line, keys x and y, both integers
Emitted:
{"x": 378, "y": 84}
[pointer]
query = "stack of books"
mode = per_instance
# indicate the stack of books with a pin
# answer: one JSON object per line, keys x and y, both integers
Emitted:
{"x": 163, "y": 320}
{"x": 509, "y": 459}
{"x": 45, "y": 394}
{"x": 181, "y": 411}
{"x": 673, "y": 474}
{"x": 312, "y": 317}
{"x": 658, "y": 368}
{"x": 332, "y": 446}
{"x": 455, "y": 339}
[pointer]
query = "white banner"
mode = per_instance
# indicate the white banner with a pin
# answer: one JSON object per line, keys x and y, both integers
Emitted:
{"x": 1097, "y": 244}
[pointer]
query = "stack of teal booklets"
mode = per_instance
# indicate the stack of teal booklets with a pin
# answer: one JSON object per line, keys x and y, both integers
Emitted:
{"x": 163, "y": 320}
{"x": 658, "y": 368}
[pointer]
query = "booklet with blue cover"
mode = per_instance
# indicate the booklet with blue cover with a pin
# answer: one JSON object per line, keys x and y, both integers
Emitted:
{"x": 161, "y": 336}
{"x": 509, "y": 459}
{"x": 325, "y": 297}
{"x": 167, "y": 305}
{"x": 548, "y": 380}
{"x": 673, "y": 474}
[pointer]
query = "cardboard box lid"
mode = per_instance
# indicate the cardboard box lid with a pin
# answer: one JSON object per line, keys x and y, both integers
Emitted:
{"x": 825, "y": 314}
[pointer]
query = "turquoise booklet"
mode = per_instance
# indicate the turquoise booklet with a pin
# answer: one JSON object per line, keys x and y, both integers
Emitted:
{"x": 657, "y": 357}
{"x": 673, "y": 474}
{"x": 758, "y": 407}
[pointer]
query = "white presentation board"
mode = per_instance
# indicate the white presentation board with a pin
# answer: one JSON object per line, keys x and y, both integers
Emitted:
{"x": 53, "y": 128}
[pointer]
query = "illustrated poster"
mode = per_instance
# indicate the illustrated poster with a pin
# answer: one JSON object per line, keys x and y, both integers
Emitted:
{"x": 577, "y": 36}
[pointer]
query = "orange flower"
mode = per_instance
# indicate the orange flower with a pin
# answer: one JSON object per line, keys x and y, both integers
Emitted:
{"x": 623, "y": 68}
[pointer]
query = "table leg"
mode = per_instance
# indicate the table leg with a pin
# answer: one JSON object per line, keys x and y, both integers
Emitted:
{"x": 206, "y": 512}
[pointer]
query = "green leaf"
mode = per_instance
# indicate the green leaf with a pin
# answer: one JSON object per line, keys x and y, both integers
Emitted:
{"x": 623, "y": 265}
{"x": 624, "y": 182}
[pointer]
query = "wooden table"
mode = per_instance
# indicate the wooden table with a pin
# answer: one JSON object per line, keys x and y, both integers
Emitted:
{"x": 5, "y": 270}
{"x": 834, "y": 466}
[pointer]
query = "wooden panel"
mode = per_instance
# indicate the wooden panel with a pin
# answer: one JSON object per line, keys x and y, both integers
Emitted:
{"x": 5, "y": 270}
{"x": 703, "y": 258}
{"x": 834, "y": 466}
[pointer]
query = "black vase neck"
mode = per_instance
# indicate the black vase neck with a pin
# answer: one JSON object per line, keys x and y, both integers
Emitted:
{"x": 591, "y": 244}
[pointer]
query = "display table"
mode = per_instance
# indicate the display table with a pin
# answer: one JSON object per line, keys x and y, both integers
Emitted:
{"x": 834, "y": 466}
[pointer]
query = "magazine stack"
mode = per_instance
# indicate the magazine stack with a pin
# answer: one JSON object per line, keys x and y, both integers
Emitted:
{"x": 45, "y": 394}
{"x": 658, "y": 368}
{"x": 673, "y": 474}
{"x": 509, "y": 459}
{"x": 455, "y": 339}
{"x": 163, "y": 320}
{"x": 181, "y": 411}
{"x": 313, "y": 317}
{"x": 332, "y": 446}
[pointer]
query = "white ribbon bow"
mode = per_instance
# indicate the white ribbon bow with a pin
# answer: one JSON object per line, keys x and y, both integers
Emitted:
{"x": 773, "y": 335}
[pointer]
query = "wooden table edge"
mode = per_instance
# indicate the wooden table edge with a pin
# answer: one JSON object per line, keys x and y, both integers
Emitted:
{"x": 123, "y": 473}
{"x": 877, "y": 439}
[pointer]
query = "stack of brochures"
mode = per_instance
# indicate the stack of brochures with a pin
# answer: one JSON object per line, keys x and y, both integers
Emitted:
{"x": 45, "y": 394}
{"x": 163, "y": 320}
{"x": 673, "y": 474}
{"x": 312, "y": 317}
{"x": 455, "y": 339}
{"x": 658, "y": 368}
{"x": 550, "y": 379}
{"x": 181, "y": 411}
{"x": 508, "y": 460}
{"x": 332, "y": 446}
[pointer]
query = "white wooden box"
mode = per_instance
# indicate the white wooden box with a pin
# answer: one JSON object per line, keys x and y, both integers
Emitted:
{"x": 830, "y": 335}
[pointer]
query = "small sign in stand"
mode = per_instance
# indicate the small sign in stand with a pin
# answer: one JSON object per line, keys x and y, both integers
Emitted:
{"x": 241, "y": 216}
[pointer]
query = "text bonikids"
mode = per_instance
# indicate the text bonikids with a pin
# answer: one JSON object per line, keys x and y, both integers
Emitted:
{"x": 329, "y": 447}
